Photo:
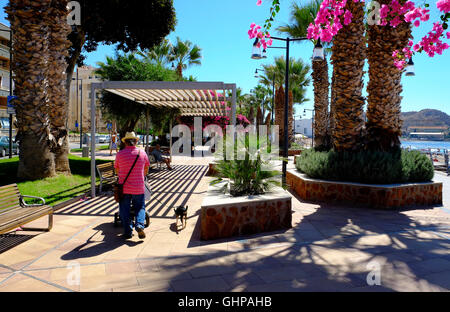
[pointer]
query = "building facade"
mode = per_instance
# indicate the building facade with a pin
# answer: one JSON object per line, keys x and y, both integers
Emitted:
{"x": 4, "y": 78}
{"x": 80, "y": 102}
{"x": 303, "y": 126}
{"x": 431, "y": 133}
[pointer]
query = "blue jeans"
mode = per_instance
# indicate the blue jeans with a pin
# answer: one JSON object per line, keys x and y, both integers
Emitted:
{"x": 138, "y": 202}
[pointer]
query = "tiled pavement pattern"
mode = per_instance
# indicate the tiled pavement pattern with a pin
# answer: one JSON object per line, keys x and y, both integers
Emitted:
{"x": 328, "y": 249}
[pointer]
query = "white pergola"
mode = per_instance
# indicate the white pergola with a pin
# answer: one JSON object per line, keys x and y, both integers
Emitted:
{"x": 191, "y": 98}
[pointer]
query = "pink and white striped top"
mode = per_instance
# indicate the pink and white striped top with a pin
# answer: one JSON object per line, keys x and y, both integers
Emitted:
{"x": 124, "y": 160}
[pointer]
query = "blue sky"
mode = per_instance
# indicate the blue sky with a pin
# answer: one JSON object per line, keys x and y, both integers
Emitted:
{"x": 220, "y": 28}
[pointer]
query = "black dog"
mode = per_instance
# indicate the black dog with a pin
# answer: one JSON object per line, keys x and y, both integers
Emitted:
{"x": 181, "y": 213}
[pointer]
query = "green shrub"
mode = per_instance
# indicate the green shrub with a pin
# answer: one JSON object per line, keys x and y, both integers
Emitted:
{"x": 371, "y": 167}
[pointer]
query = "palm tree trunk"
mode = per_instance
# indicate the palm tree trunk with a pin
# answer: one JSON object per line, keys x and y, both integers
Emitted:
{"x": 180, "y": 70}
{"x": 321, "y": 91}
{"x": 279, "y": 115}
{"x": 332, "y": 123}
{"x": 30, "y": 62}
{"x": 58, "y": 51}
{"x": 384, "y": 88}
{"x": 349, "y": 53}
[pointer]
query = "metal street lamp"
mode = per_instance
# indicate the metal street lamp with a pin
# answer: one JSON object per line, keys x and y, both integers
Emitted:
{"x": 318, "y": 54}
{"x": 410, "y": 70}
{"x": 258, "y": 70}
{"x": 264, "y": 54}
{"x": 256, "y": 51}
{"x": 255, "y": 55}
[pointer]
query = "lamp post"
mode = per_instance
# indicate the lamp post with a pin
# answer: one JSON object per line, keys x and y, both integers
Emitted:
{"x": 312, "y": 124}
{"x": 256, "y": 76}
{"x": 317, "y": 55}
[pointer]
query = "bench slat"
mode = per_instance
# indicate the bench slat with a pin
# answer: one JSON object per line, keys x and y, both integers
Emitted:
{"x": 8, "y": 192}
{"x": 5, "y": 209}
{"x": 8, "y": 207}
{"x": 9, "y": 198}
{"x": 12, "y": 224}
{"x": 9, "y": 186}
{"x": 22, "y": 214}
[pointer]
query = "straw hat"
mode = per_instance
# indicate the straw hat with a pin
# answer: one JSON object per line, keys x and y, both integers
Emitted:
{"x": 130, "y": 136}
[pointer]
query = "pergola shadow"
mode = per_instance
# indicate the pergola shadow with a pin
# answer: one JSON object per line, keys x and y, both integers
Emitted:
{"x": 169, "y": 189}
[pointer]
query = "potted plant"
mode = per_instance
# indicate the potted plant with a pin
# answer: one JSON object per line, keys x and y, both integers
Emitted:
{"x": 246, "y": 196}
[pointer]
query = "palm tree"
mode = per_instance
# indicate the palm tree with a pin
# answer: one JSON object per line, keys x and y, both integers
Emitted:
{"x": 298, "y": 72}
{"x": 348, "y": 58}
{"x": 240, "y": 99}
{"x": 160, "y": 54}
{"x": 384, "y": 88}
{"x": 298, "y": 80}
{"x": 39, "y": 84}
{"x": 301, "y": 17}
{"x": 58, "y": 45}
{"x": 185, "y": 54}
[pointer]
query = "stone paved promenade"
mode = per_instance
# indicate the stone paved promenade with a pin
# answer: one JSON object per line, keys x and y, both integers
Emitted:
{"x": 328, "y": 249}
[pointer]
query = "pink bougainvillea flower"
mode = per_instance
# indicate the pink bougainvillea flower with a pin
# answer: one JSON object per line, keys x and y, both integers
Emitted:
{"x": 448, "y": 35}
{"x": 443, "y": 5}
{"x": 347, "y": 17}
{"x": 259, "y": 2}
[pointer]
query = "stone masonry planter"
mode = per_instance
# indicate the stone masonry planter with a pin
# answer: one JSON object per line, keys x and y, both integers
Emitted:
{"x": 291, "y": 153}
{"x": 224, "y": 216}
{"x": 374, "y": 196}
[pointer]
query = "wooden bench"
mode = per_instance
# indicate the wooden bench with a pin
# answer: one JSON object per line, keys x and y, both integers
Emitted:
{"x": 107, "y": 174}
{"x": 14, "y": 212}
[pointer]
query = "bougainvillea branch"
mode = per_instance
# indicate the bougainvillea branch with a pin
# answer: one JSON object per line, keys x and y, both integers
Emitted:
{"x": 328, "y": 23}
{"x": 262, "y": 33}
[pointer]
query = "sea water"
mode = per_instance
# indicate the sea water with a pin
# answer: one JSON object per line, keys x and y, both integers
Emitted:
{"x": 424, "y": 145}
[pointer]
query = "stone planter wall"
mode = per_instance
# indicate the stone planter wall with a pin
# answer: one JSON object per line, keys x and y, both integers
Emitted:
{"x": 294, "y": 152}
{"x": 291, "y": 153}
{"x": 224, "y": 216}
{"x": 373, "y": 196}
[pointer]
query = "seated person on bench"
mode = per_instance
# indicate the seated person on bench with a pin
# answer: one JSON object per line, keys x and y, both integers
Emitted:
{"x": 159, "y": 156}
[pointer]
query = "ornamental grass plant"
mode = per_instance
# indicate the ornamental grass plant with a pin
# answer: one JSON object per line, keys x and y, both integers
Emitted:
{"x": 251, "y": 173}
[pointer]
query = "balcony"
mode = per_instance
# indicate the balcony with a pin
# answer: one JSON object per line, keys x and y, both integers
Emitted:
{"x": 4, "y": 51}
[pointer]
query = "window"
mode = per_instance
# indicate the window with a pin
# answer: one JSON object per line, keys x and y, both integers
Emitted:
{"x": 4, "y": 123}
{"x": 306, "y": 131}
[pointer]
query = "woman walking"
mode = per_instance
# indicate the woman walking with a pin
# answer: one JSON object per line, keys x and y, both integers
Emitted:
{"x": 132, "y": 166}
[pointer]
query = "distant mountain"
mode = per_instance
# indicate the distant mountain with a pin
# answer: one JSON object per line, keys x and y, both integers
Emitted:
{"x": 425, "y": 118}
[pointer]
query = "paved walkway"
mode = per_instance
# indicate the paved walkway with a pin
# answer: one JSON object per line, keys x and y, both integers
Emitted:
{"x": 328, "y": 249}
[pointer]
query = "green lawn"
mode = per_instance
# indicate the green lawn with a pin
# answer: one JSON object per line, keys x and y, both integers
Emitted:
{"x": 54, "y": 190}
{"x": 101, "y": 148}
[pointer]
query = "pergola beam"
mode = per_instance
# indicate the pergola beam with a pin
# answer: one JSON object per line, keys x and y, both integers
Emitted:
{"x": 192, "y": 98}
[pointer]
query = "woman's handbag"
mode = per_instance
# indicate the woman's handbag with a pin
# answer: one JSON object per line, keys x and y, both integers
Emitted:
{"x": 118, "y": 188}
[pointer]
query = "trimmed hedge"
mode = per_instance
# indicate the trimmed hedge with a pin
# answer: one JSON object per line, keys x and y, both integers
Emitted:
{"x": 370, "y": 167}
